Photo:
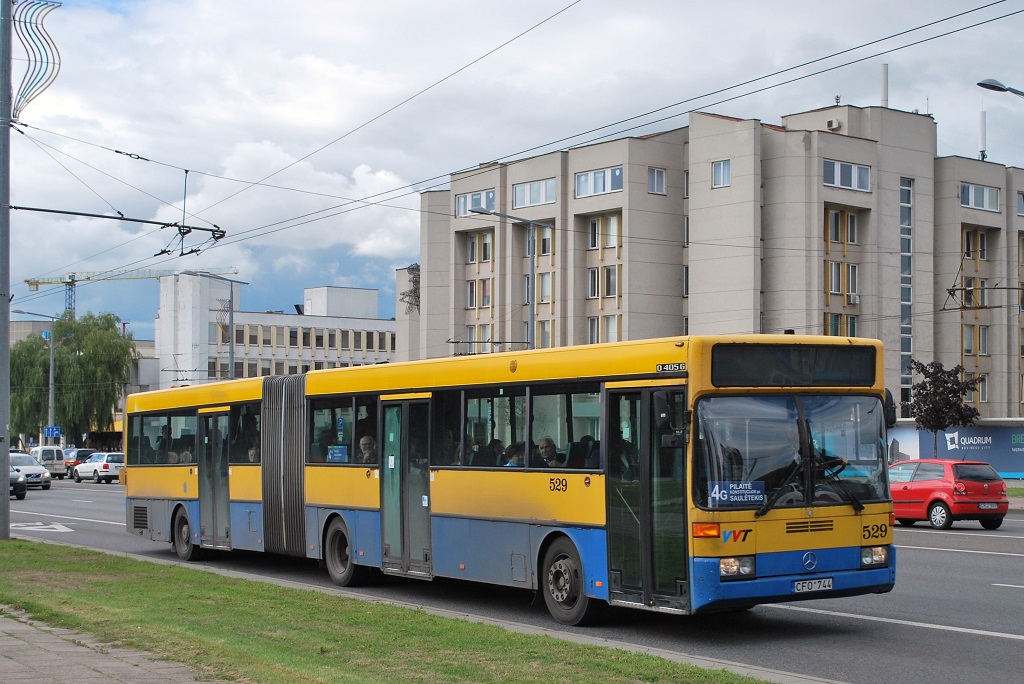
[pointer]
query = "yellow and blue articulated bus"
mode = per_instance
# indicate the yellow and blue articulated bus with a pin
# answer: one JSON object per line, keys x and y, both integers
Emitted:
{"x": 681, "y": 475}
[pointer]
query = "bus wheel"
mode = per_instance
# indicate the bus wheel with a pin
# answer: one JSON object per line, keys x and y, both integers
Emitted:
{"x": 338, "y": 557}
{"x": 183, "y": 546}
{"x": 562, "y": 584}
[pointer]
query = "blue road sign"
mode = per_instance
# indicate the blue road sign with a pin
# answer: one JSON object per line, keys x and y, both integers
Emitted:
{"x": 51, "y": 431}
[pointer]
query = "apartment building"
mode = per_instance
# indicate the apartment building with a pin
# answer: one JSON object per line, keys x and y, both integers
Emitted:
{"x": 838, "y": 221}
{"x": 333, "y": 327}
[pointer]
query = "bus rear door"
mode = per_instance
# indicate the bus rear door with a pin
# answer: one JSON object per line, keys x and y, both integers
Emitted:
{"x": 214, "y": 518}
{"x": 647, "y": 538}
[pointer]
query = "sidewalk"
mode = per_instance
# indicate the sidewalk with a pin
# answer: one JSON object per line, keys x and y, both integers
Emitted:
{"x": 34, "y": 652}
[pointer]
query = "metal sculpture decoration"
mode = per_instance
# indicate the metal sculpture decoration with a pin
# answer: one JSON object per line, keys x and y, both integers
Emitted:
{"x": 42, "y": 55}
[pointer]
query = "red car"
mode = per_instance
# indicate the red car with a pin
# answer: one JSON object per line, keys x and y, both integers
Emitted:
{"x": 942, "y": 491}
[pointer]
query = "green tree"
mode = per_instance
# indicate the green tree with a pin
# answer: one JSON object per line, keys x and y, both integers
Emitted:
{"x": 93, "y": 363}
{"x": 938, "y": 400}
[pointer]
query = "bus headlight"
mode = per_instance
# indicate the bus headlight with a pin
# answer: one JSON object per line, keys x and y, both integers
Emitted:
{"x": 740, "y": 567}
{"x": 874, "y": 556}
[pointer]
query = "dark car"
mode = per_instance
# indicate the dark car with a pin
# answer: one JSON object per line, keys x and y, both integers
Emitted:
{"x": 942, "y": 491}
{"x": 18, "y": 487}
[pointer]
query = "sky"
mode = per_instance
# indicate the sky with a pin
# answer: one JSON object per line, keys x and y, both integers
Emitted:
{"x": 305, "y": 130}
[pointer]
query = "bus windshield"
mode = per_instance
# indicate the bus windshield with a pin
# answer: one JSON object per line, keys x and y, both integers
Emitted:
{"x": 775, "y": 451}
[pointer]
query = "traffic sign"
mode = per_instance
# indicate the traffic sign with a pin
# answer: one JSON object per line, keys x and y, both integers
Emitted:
{"x": 51, "y": 431}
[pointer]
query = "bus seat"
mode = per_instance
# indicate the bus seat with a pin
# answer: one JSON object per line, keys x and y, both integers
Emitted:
{"x": 594, "y": 457}
{"x": 577, "y": 454}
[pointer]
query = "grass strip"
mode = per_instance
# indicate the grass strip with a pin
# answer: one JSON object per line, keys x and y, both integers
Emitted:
{"x": 250, "y": 631}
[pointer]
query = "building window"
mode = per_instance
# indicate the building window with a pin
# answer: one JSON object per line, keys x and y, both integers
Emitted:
{"x": 485, "y": 294}
{"x": 528, "y": 297}
{"x": 851, "y": 228}
{"x": 485, "y": 247}
{"x": 968, "y": 244}
{"x": 1020, "y": 204}
{"x": 593, "y": 283}
{"x": 979, "y": 197}
{"x": 982, "y": 292}
{"x": 611, "y": 328}
{"x": 484, "y": 339}
{"x": 835, "y": 324}
{"x": 983, "y": 340}
{"x": 686, "y": 281}
{"x": 593, "y": 330}
{"x": 655, "y": 180}
{"x": 686, "y": 184}
{"x": 611, "y": 231}
{"x": 544, "y": 280}
{"x": 845, "y": 175}
{"x": 982, "y": 245}
{"x": 851, "y": 326}
{"x": 834, "y": 226}
{"x": 968, "y": 340}
{"x": 344, "y": 341}
{"x": 686, "y": 325}
{"x": 470, "y": 339}
{"x": 357, "y": 340}
{"x": 980, "y": 392}
{"x": 599, "y": 181}
{"x": 545, "y": 241}
{"x": 686, "y": 230}
{"x": 593, "y": 231}
{"x": 969, "y": 291}
{"x": 470, "y": 294}
{"x": 483, "y": 199}
{"x": 543, "y": 334}
{"x": 533, "y": 193}
{"x": 835, "y": 277}
{"x": 851, "y": 279}
{"x": 610, "y": 285}
{"x": 721, "y": 173}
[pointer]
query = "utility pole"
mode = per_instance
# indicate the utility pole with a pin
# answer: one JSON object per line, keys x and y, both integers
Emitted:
{"x": 6, "y": 94}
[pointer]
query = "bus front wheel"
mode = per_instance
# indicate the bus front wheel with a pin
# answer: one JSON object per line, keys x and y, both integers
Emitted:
{"x": 183, "y": 546}
{"x": 338, "y": 557}
{"x": 562, "y": 584}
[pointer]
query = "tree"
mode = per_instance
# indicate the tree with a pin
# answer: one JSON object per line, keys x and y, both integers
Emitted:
{"x": 938, "y": 400}
{"x": 92, "y": 364}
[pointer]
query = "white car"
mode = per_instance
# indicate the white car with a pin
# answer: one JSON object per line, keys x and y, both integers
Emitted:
{"x": 101, "y": 467}
{"x": 35, "y": 474}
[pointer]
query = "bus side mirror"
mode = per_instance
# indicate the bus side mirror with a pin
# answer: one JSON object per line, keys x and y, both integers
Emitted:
{"x": 663, "y": 410}
{"x": 890, "y": 409}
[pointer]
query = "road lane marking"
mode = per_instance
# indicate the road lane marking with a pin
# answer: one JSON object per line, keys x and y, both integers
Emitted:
{"x": 983, "y": 553}
{"x": 1011, "y": 586}
{"x": 894, "y": 621}
{"x": 40, "y": 527}
{"x": 68, "y": 517}
{"x": 979, "y": 533}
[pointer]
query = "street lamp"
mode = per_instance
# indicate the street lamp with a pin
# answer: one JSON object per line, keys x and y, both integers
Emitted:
{"x": 53, "y": 343}
{"x": 530, "y": 332}
{"x": 993, "y": 84}
{"x": 231, "y": 314}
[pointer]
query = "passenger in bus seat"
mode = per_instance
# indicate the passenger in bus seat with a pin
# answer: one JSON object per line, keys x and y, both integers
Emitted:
{"x": 549, "y": 455}
{"x": 493, "y": 455}
{"x": 368, "y": 449}
{"x": 514, "y": 454}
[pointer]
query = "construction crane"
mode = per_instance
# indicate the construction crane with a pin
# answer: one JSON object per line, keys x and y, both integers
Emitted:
{"x": 69, "y": 280}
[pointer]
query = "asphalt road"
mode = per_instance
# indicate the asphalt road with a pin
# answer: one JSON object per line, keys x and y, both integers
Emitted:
{"x": 956, "y": 614}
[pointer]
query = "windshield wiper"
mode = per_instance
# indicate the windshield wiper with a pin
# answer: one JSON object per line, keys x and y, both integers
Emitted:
{"x": 832, "y": 477}
{"x": 795, "y": 469}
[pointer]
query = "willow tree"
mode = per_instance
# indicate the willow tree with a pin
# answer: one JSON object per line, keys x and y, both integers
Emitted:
{"x": 93, "y": 363}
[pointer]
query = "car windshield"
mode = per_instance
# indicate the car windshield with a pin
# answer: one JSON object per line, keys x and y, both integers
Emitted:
{"x": 789, "y": 450}
{"x": 974, "y": 472}
{"x": 20, "y": 460}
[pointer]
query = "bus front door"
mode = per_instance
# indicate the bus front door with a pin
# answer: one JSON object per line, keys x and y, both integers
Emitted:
{"x": 647, "y": 539}
{"x": 214, "y": 517}
{"x": 405, "y": 492}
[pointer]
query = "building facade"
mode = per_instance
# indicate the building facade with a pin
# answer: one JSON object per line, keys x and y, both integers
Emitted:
{"x": 839, "y": 221}
{"x": 333, "y": 327}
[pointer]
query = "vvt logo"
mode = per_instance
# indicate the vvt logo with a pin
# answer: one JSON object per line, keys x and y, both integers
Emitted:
{"x": 735, "y": 535}
{"x": 952, "y": 440}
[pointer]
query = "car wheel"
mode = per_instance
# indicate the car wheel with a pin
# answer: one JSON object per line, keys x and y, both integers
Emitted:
{"x": 906, "y": 523}
{"x": 20, "y": 496}
{"x": 46, "y": 486}
{"x": 96, "y": 477}
{"x": 183, "y": 546}
{"x": 338, "y": 557}
{"x": 59, "y": 477}
{"x": 78, "y": 478}
{"x": 991, "y": 523}
{"x": 562, "y": 585}
{"x": 939, "y": 516}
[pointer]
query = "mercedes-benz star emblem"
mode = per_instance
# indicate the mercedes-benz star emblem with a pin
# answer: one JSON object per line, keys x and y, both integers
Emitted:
{"x": 810, "y": 561}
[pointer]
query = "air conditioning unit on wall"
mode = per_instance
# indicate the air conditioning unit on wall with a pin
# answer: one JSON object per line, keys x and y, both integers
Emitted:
{"x": 853, "y": 298}
{"x": 833, "y": 124}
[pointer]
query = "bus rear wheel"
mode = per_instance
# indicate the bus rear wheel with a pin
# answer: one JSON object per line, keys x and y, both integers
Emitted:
{"x": 563, "y": 588}
{"x": 183, "y": 546}
{"x": 338, "y": 557}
